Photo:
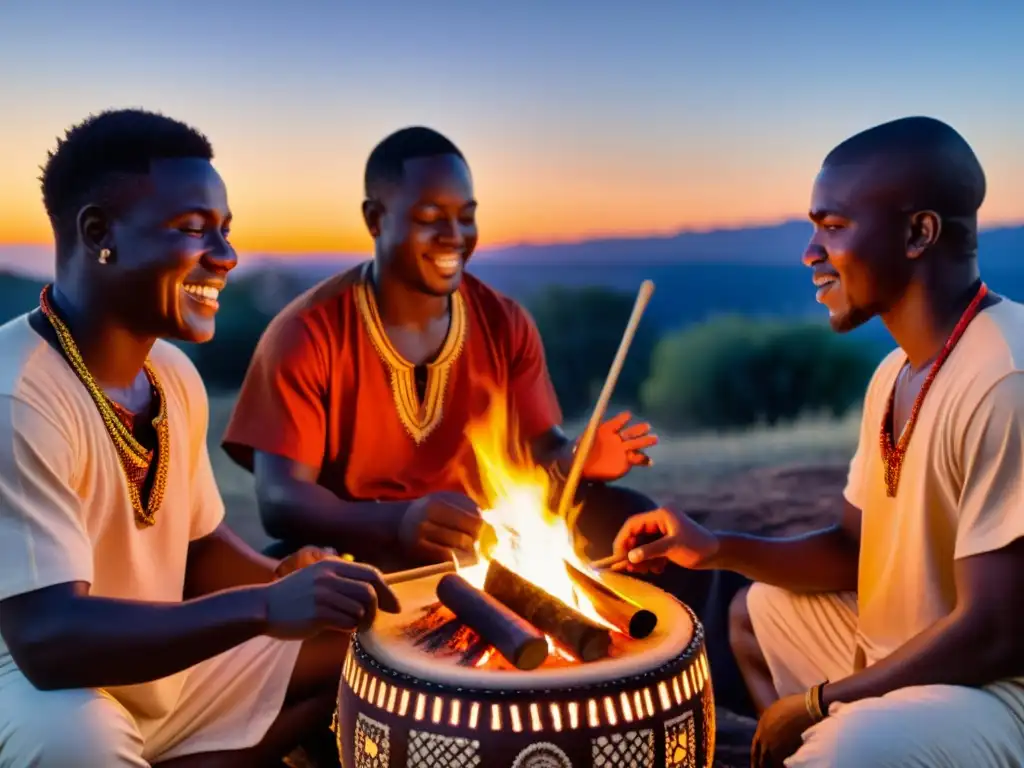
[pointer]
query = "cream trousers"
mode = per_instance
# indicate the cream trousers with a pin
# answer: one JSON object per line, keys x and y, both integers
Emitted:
{"x": 228, "y": 702}
{"x": 807, "y": 639}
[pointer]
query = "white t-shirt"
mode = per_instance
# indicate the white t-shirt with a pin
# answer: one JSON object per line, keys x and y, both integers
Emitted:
{"x": 961, "y": 489}
{"x": 65, "y": 514}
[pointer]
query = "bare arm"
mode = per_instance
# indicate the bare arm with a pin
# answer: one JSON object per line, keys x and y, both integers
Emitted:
{"x": 61, "y": 637}
{"x": 294, "y": 507}
{"x": 980, "y": 642}
{"x": 819, "y": 561}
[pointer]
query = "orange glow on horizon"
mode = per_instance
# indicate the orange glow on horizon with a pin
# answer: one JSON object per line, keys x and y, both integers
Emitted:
{"x": 35, "y": 231}
{"x": 312, "y": 242}
{"x": 605, "y": 125}
{"x": 262, "y": 225}
{"x": 309, "y": 201}
{"x": 320, "y": 239}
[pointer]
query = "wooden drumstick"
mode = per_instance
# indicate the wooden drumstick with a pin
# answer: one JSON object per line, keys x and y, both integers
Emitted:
{"x": 449, "y": 566}
{"x": 565, "y": 507}
{"x": 609, "y": 562}
{"x": 488, "y": 541}
{"x": 400, "y": 577}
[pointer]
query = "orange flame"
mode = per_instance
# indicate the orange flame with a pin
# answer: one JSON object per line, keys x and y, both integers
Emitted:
{"x": 513, "y": 495}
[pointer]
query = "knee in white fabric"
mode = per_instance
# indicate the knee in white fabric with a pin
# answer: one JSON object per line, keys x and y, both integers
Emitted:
{"x": 763, "y": 601}
{"x": 858, "y": 738}
{"x": 81, "y": 728}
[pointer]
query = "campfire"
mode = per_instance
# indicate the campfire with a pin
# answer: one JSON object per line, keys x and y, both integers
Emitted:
{"x": 528, "y": 658}
{"x": 530, "y": 600}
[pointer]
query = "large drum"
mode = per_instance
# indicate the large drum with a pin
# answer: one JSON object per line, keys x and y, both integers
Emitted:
{"x": 403, "y": 704}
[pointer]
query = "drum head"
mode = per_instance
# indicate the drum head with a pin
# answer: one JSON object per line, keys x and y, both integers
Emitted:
{"x": 390, "y": 643}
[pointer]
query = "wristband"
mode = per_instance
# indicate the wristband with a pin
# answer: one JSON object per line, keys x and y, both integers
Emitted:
{"x": 814, "y": 701}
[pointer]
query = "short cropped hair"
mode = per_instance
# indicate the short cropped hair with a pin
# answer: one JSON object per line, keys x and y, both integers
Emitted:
{"x": 386, "y": 163}
{"x": 93, "y": 154}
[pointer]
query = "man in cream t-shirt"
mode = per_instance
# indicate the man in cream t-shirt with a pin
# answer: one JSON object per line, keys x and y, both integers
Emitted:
{"x": 65, "y": 516}
{"x": 894, "y": 638}
{"x": 135, "y": 628}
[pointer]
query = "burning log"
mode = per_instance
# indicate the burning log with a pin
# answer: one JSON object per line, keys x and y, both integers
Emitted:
{"x": 515, "y": 639}
{"x": 583, "y": 638}
{"x": 615, "y": 608}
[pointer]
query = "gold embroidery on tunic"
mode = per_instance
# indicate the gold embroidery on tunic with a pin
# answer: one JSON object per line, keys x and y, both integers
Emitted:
{"x": 418, "y": 418}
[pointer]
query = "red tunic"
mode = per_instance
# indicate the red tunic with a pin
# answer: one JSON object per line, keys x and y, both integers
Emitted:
{"x": 326, "y": 388}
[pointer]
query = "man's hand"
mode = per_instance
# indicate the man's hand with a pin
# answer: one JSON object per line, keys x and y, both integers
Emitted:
{"x": 780, "y": 732}
{"x": 617, "y": 448}
{"x": 438, "y": 525}
{"x": 329, "y": 594}
{"x": 680, "y": 540}
{"x": 304, "y": 558}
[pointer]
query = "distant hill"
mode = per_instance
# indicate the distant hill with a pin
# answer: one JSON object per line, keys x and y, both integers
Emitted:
{"x": 18, "y": 294}
{"x": 778, "y": 245}
{"x": 775, "y": 244}
{"x": 753, "y": 271}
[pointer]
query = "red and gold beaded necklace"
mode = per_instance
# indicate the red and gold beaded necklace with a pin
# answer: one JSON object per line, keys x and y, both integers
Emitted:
{"x": 135, "y": 458}
{"x": 893, "y": 454}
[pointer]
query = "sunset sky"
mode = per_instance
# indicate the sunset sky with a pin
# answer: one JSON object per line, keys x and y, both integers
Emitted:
{"x": 578, "y": 118}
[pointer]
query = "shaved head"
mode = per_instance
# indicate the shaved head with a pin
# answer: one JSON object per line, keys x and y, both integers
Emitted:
{"x": 894, "y": 204}
{"x": 918, "y": 164}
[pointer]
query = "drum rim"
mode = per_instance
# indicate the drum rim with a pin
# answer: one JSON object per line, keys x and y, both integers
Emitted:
{"x": 678, "y": 618}
{"x": 666, "y": 669}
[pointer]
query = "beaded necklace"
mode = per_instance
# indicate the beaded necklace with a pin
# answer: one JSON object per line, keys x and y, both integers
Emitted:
{"x": 893, "y": 455}
{"x": 135, "y": 459}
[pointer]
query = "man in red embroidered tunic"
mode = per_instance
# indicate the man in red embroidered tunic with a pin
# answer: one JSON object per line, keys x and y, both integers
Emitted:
{"x": 135, "y": 628}
{"x": 355, "y": 409}
{"x": 905, "y": 611}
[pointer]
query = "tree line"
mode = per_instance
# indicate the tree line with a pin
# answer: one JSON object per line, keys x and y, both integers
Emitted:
{"x": 729, "y": 372}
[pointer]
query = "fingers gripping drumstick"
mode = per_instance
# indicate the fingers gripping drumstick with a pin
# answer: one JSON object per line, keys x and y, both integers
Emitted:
{"x": 609, "y": 562}
{"x": 565, "y": 507}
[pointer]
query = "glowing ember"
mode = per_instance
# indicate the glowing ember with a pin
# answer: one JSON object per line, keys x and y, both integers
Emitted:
{"x": 532, "y": 540}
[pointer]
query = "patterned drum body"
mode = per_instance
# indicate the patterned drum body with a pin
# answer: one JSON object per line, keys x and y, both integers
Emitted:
{"x": 398, "y": 707}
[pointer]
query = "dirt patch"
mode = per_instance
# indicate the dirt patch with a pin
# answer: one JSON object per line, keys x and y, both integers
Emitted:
{"x": 776, "y": 501}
